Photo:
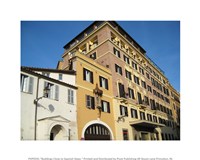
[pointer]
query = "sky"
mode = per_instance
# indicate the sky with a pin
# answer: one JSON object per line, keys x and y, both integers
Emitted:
{"x": 42, "y": 42}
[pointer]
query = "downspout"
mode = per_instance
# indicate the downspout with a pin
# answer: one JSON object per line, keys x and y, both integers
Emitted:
{"x": 36, "y": 106}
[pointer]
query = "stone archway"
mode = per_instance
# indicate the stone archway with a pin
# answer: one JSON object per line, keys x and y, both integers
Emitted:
{"x": 57, "y": 133}
{"x": 97, "y": 132}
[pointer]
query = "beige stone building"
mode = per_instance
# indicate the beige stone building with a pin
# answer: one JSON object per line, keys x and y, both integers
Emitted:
{"x": 143, "y": 104}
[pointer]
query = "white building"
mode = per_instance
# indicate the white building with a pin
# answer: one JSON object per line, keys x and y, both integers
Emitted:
{"x": 48, "y": 104}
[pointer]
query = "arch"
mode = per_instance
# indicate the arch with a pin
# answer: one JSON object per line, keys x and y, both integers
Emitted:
{"x": 96, "y": 122}
{"x": 57, "y": 132}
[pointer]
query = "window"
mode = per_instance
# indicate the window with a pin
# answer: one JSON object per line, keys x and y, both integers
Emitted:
{"x": 103, "y": 82}
{"x": 123, "y": 111}
{"x": 154, "y": 92}
{"x": 155, "y": 119}
{"x": 134, "y": 113}
{"x": 166, "y": 91}
{"x": 105, "y": 106}
{"x": 126, "y": 59}
{"x": 93, "y": 42}
{"x": 125, "y": 134}
{"x": 93, "y": 56}
{"x": 139, "y": 98}
{"x": 53, "y": 90}
{"x": 60, "y": 76}
{"x": 167, "y": 100}
{"x": 26, "y": 84}
{"x": 158, "y": 106}
{"x": 143, "y": 84}
{"x": 70, "y": 96}
{"x": 158, "y": 94}
{"x": 90, "y": 103}
{"x": 147, "y": 75}
{"x": 128, "y": 74}
{"x": 121, "y": 90}
{"x": 149, "y": 88}
{"x": 152, "y": 103}
{"x": 152, "y": 81}
{"x": 149, "y": 117}
{"x": 46, "y": 74}
{"x": 142, "y": 115}
{"x": 131, "y": 93}
{"x": 141, "y": 70}
{"x": 136, "y": 80}
{"x": 163, "y": 81}
{"x": 118, "y": 69}
{"x": 87, "y": 75}
{"x": 116, "y": 52}
{"x": 134, "y": 65}
{"x": 146, "y": 100}
{"x": 161, "y": 96}
{"x": 162, "y": 135}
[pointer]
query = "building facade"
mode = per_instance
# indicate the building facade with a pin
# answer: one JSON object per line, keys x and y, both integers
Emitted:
{"x": 48, "y": 104}
{"x": 94, "y": 98}
{"x": 141, "y": 100}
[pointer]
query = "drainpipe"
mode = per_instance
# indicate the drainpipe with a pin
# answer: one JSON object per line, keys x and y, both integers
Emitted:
{"x": 69, "y": 138}
{"x": 36, "y": 106}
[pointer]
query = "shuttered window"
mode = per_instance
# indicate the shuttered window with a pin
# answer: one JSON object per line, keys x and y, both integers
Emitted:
{"x": 131, "y": 93}
{"x": 87, "y": 75}
{"x": 105, "y": 106}
{"x": 70, "y": 96}
{"x": 53, "y": 91}
{"x": 103, "y": 82}
{"x": 123, "y": 111}
{"x": 56, "y": 92}
{"x": 27, "y": 83}
{"x": 90, "y": 103}
{"x": 134, "y": 113}
{"x": 121, "y": 90}
{"x": 118, "y": 69}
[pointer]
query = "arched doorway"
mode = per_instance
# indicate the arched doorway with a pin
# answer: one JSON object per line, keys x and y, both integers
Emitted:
{"x": 57, "y": 133}
{"x": 97, "y": 132}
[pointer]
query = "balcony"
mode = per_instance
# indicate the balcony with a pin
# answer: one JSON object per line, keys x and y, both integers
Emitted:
{"x": 142, "y": 105}
{"x": 146, "y": 124}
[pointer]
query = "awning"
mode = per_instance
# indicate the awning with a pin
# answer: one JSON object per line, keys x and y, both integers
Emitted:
{"x": 147, "y": 124}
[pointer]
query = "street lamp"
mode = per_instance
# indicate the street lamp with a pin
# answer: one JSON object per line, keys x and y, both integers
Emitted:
{"x": 45, "y": 94}
{"x": 98, "y": 93}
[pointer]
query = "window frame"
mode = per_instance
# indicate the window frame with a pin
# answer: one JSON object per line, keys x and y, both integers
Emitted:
{"x": 128, "y": 74}
{"x": 126, "y": 59}
{"x": 134, "y": 113}
{"x": 70, "y": 96}
{"x": 127, "y": 135}
{"x": 85, "y": 78}
{"x": 121, "y": 90}
{"x": 26, "y": 84}
{"x": 142, "y": 115}
{"x": 53, "y": 90}
{"x": 131, "y": 93}
{"x": 123, "y": 111}
{"x": 105, "y": 84}
{"x": 91, "y": 100}
{"x": 136, "y": 80}
{"x": 106, "y": 108}
{"x": 116, "y": 52}
{"x": 118, "y": 69}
